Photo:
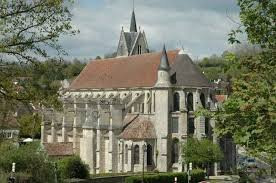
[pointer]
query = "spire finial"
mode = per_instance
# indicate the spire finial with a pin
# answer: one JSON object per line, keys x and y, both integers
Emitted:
{"x": 164, "y": 61}
{"x": 133, "y": 3}
{"x": 133, "y": 27}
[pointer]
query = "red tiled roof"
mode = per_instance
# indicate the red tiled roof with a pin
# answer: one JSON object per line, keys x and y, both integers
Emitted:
{"x": 221, "y": 98}
{"x": 121, "y": 72}
{"x": 59, "y": 149}
{"x": 9, "y": 122}
{"x": 139, "y": 128}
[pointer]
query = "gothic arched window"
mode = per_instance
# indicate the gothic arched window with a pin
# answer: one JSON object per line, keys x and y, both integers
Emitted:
{"x": 149, "y": 154}
{"x": 126, "y": 154}
{"x": 175, "y": 150}
{"x": 207, "y": 126}
{"x": 190, "y": 102}
{"x": 136, "y": 154}
{"x": 175, "y": 101}
{"x": 191, "y": 126}
{"x": 139, "y": 49}
{"x": 202, "y": 100}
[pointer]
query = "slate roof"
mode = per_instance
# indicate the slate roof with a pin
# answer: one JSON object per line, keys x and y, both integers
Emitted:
{"x": 133, "y": 27}
{"x": 138, "y": 71}
{"x": 59, "y": 149}
{"x": 139, "y": 128}
{"x": 188, "y": 73}
{"x": 130, "y": 39}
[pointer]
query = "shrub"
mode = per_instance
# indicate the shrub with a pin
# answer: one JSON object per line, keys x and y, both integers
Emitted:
{"x": 73, "y": 167}
{"x": 197, "y": 176}
{"x": 29, "y": 161}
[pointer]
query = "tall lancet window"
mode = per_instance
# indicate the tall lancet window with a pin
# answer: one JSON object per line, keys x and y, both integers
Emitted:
{"x": 175, "y": 150}
{"x": 139, "y": 49}
{"x": 176, "y": 101}
{"x": 136, "y": 154}
{"x": 202, "y": 100}
{"x": 190, "y": 102}
{"x": 126, "y": 154}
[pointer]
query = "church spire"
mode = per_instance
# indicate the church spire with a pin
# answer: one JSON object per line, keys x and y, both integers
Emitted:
{"x": 133, "y": 27}
{"x": 164, "y": 62}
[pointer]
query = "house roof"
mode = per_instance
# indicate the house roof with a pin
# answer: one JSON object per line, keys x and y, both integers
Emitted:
{"x": 9, "y": 122}
{"x": 138, "y": 71}
{"x": 59, "y": 149}
{"x": 220, "y": 98}
{"x": 139, "y": 128}
{"x": 121, "y": 72}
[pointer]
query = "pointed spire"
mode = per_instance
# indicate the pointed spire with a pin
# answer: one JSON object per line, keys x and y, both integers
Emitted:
{"x": 133, "y": 27}
{"x": 164, "y": 61}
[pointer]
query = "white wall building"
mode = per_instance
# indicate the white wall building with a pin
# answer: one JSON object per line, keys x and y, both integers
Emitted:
{"x": 136, "y": 104}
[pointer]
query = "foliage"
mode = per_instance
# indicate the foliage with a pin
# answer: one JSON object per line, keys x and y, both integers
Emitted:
{"x": 29, "y": 29}
{"x": 29, "y": 160}
{"x": 200, "y": 152}
{"x": 73, "y": 167}
{"x": 29, "y": 125}
{"x": 196, "y": 174}
{"x": 110, "y": 55}
{"x": 249, "y": 113}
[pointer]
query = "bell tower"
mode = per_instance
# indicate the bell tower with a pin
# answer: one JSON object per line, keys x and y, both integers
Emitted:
{"x": 133, "y": 42}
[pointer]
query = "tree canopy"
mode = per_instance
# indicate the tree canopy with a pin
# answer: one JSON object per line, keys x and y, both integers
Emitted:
{"x": 201, "y": 152}
{"x": 29, "y": 30}
{"x": 249, "y": 114}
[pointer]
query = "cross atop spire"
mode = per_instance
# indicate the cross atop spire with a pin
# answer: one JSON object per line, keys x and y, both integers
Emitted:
{"x": 133, "y": 27}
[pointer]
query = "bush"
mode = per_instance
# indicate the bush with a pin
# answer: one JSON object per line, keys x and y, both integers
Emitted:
{"x": 73, "y": 167}
{"x": 29, "y": 161}
{"x": 197, "y": 176}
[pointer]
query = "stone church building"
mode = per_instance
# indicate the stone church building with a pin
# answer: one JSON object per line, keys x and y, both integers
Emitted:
{"x": 133, "y": 110}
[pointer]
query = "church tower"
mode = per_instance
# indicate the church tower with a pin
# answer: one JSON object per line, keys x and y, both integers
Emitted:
{"x": 133, "y": 42}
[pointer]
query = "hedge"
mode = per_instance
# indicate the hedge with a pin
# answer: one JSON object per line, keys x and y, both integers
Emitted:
{"x": 72, "y": 167}
{"x": 197, "y": 176}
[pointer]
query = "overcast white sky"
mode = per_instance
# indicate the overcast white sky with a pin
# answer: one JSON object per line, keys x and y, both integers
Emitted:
{"x": 200, "y": 26}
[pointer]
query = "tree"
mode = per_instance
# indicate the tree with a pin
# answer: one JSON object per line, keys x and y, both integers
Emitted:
{"x": 73, "y": 167}
{"x": 201, "y": 153}
{"x": 28, "y": 30}
{"x": 249, "y": 113}
{"x": 29, "y": 125}
{"x": 29, "y": 161}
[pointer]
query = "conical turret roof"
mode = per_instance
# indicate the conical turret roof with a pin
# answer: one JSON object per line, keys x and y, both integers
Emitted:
{"x": 164, "y": 62}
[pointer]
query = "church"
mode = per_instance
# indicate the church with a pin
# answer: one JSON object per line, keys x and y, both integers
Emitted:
{"x": 134, "y": 111}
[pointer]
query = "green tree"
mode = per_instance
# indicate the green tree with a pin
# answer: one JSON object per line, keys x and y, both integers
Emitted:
{"x": 29, "y": 159}
{"x": 201, "y": 153}
{"x": 73, "y": 167}
{"x": 28, "y": 29}
{"x": 249, "y": 114}
{"x": 29, "y": 125}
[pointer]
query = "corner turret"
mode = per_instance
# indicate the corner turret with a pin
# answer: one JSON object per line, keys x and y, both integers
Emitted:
{"x": 163, "y": 75}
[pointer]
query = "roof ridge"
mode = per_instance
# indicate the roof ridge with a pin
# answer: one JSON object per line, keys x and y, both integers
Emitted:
{"x": 130, "y": 56}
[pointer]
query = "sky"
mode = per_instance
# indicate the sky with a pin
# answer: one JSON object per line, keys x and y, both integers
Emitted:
{"x": 198, "y": 26}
